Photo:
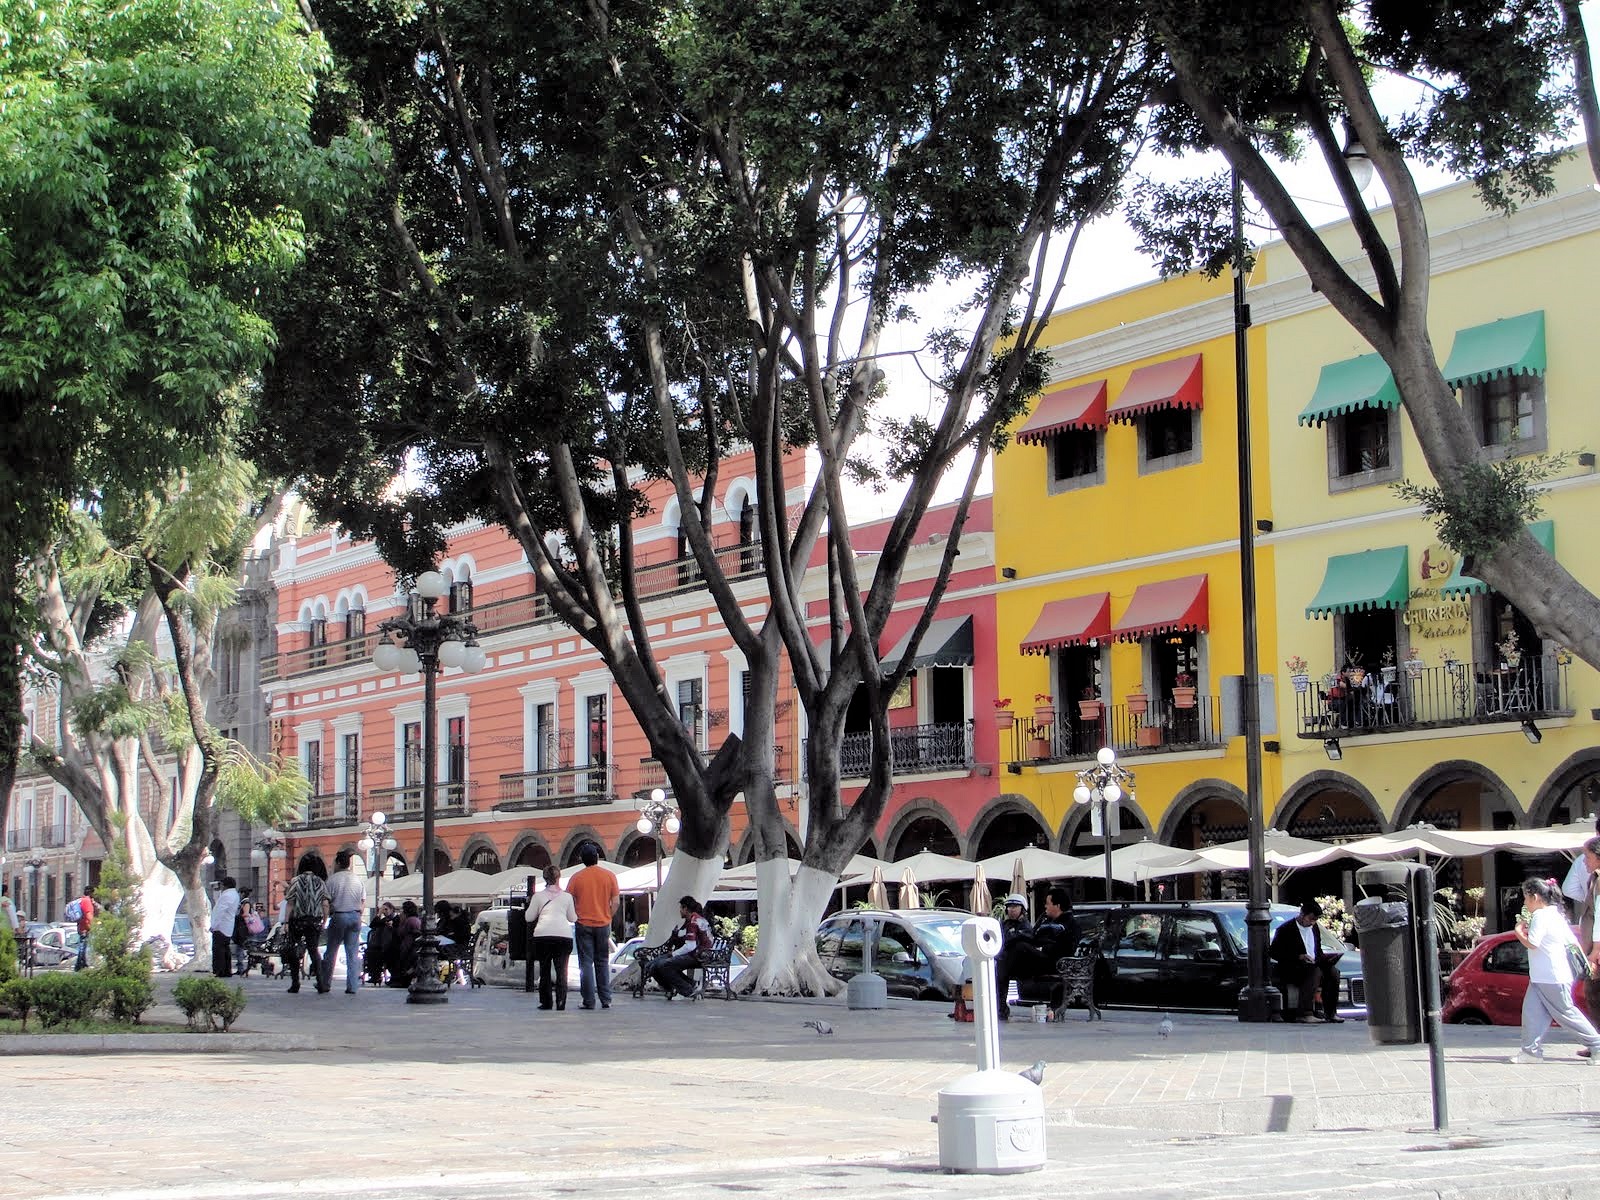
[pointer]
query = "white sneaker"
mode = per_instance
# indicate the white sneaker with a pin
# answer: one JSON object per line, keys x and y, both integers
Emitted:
{"x": 1522, "y": 1056}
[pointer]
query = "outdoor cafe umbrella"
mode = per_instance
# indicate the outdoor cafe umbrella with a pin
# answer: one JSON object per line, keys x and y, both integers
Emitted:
{"x": 1129, "y": 864}
{"x": 1019, "y": 877}
{"x": 1036, "y": 864}
{"x": 928, "y": 867}
{"x": 908, "y": 890}
{"x": 877, "y": 892}
{"x": 982, "y": 902}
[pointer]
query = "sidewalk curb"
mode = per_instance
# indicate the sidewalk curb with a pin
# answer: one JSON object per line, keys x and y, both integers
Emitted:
{"x": 19, "y": 1044}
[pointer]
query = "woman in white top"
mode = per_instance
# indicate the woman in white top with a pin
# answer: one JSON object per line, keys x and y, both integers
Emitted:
{"x": 549, "y": 917}
{"x": 1549, "y": 995}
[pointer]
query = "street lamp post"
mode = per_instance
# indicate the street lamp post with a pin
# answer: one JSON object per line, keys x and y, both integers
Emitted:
{"x": 268, "y": 849}
{"x": 1105, "y": 784}
{"x": 376, "y": 844}
{"x": 425, "y": 642}
{"x": 658, "y": 815}
{"x": 34, "y": 864}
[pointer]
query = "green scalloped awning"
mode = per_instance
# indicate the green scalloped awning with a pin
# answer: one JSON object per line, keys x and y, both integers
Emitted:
{"x": 1357, "y": 582}
{"x": 1342, "y": 387}
{"x": 1544, "y": 532}
{"x": 1509, "y": 346}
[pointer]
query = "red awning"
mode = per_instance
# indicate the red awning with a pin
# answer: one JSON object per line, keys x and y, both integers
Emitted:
{"x": 1070, "y": 623}
{"x": 1173, "y": 605}
{"x": 1080, "y": 407}
{"x": 1171, "y": 384}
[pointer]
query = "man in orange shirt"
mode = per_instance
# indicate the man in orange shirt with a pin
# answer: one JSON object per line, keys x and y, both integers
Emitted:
{"x": 595, "y": 896}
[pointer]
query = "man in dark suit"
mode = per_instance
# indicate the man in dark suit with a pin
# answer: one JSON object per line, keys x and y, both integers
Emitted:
{"x": 1298, "y": 959}
{"x": 1027, "y": 953}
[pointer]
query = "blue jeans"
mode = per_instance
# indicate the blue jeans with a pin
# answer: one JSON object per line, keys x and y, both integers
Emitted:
{"x": 593, "y": 943}
{"x": 344, "y": 929}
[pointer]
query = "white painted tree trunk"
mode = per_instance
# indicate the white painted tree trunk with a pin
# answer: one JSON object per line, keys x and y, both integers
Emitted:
{"x": 786, "y": 962}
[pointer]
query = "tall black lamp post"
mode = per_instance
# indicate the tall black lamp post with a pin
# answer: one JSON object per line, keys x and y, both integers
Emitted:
{"x": 1104, "y": 784}
{"x": 426, "y": 642}
{"x": 376, "y": 843}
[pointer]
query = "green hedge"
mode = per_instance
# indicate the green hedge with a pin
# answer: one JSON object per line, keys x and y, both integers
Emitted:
{"x": 210, "y": 1000}
{"x": 62, "y": 997}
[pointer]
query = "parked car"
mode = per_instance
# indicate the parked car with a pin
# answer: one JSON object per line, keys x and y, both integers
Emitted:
{"x": 182, "y": 939}
{"x": 1487, "y": 988}
{"x": 1187, "y": 954}
{"x": 916, "y": 950}
{"x": 54, "y": 945}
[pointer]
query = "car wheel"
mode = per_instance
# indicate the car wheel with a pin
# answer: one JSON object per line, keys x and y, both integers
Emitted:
{"x": 1471, "y": 1017}
{"x": 931, "y": 994}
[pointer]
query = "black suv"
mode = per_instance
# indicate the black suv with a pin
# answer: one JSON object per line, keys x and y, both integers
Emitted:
{"x": 1185, "y": 955}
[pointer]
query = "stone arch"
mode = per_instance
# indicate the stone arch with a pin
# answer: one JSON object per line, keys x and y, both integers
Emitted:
{"x": 1200, "y": 805}
{"x": 1441, "y": 776}
{"x": 745, "y": 851}
{"x": 480, "y": 850}
{"x": 1315, "y": 785}
{"x": 1575, "y": 784}
{"x": 1001, "y": 820}
{"x": 908, "y": 819}
{"x": 638, "y": 849}
{"x": 573, "y": 845}
{"x": 530, "y": 850}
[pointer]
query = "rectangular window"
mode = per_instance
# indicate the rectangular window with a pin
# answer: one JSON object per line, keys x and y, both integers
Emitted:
{"x": 1508, "y": 413}
{"x": 317, "y": 640}
{"x": 691, "y": 709}
{"x": 544, "y": 737}
{"x": 352, "y": 763}
{"x": 1075, "y": 458}
{"x": 311, "y": 763}
{"x": 1168, "y": 437}
{"x": 355, "y": 623}
{"x": 1363, "y": 448}
{"x": 461, "y": 596}
{"x": 455, "y": 764}
{"x": 411, "y": 760}
{"x": 595, "y": 742}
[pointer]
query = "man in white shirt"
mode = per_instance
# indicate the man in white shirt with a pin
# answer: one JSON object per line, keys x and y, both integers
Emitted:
{"x": 1298, "y": 959}
{"x": 347, "y": 904}
{"x": 224, "y": 911}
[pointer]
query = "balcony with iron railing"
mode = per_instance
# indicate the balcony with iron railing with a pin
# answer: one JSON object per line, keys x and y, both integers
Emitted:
{"x": 51, "y": 837}
{"x": 19, "y": 839}
{"x": 1398, "y": 699}
{"x": 328, "y": 809}
{"x": 555, "y": 787}
{"x": 452, "y": 798}
{"x": 1163, "y": 727}
{"x": 651, "y": 774}
{"x": 916, "y": 750}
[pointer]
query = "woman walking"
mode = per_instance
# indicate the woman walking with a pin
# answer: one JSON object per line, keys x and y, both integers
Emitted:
{"x": 1549, "y": 995}
{"x": 549, "y": 918}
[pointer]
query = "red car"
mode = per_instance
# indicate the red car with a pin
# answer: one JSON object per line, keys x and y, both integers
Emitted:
{"x": 1487, "y": 988}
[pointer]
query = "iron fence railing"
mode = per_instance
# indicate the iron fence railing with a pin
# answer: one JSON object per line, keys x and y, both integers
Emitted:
{"x": 555, "y": 787}
{"x": 1392, "y": 699}
{"x": 1162, "y": 726}
{"x": 916, "y": 749}
{"x": 452, "y": 799}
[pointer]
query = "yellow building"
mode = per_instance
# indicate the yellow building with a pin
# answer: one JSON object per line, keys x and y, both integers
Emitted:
{"x": 1117, "y": 536}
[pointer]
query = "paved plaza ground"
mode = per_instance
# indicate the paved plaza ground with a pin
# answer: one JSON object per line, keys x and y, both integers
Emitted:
{"x": 486, "y": 1097}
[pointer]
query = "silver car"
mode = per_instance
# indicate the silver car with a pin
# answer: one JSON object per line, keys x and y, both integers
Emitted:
{"x": 916, "y": 950}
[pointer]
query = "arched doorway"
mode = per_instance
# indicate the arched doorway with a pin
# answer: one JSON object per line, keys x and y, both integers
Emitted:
{"x": 1467, "y": 795}
{"x": 926, "y": 833}
{"x": 1010, "y": 828}
{"x": 441, "y": 862}
{"x": 1329, "y": 808}
{"x": 1130, "y": 826}
{"x": 534, "y": 855}
{"x": 484, "y": 859}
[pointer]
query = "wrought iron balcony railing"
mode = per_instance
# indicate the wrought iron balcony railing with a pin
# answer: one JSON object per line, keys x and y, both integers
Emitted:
{"x": 917, "y": 750}
{"x": 555, "y": 787}
{"x": 451, "y": 799}
{"x": 326, "y": 809}
{"x": 1163, "y": 727}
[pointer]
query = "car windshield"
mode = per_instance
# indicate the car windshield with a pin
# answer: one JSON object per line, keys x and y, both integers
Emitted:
{"x": 944, "y": 937}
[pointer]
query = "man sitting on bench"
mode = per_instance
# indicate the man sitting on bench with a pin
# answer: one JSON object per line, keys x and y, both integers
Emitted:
{"x": 1028, "y": 954}
{"x": 1299, "y": 960}
{"x": 690, "y": 941}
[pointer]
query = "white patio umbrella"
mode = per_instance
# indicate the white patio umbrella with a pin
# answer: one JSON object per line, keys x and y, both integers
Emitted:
{"x": 909, "y": 897}
{"x": 456, "y": 885}
{"x": 877, "y": 891}
{"x": 938, "y": 868}
{"x": 982, "y": 901}
{"x": 1037, "y": 865}
{"x": 1019, "y": 878}
{"x": 1130, "y": 864}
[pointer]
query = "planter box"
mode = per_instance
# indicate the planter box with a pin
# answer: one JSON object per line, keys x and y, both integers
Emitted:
{"x": 1184, "y": 697}
{"x": 1004, "y": 719}
{"x": 1089, "y": 710}
{"x": 1038, "y": 747}
{"x": 1148, "y": 735}
{"x": 1138, "y": 703}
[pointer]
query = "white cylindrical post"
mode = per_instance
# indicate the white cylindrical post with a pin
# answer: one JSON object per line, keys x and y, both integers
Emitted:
{"x": 980, "y": 938}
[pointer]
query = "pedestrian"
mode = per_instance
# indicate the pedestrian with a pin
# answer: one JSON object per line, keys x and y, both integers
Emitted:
{"x": 1026, "y": 957}
{"x": 380, "y": 943}
{"x": 224, "y": 916}
{"x": 1299, "y": 960}
{"x": 1590, "y": 858}
{"x": 1549, "y": 996}
{"x": 1016, "y": 931}
{"x": 1575, "y": 887}
{"x": 305, "y": 905}
{"x": 403, "y": 952}
{"x": 86, "y": 912}
{"x": 8, "y": 910}
{"x": 549, "y": 919}
{"x": 595, "y": 897}
{"x": 690, "y": 942}
{"x": 347, "y": 904}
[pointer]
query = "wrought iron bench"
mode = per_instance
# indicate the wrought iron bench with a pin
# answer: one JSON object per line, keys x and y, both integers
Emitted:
{"x": 1077, "y": 984}
{"x": 714, "y": 967}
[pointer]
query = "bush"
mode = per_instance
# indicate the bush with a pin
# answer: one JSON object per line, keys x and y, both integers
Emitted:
{"x": 17, "y": 998}
{"x": 60, "y": 997}
{"x": 209, "y": 999}
{"x": 114, "y": 935}
{"x": 126, "y": 998}
{"x": 8, "y": 953}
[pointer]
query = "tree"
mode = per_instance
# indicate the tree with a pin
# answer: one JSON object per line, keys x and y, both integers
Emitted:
{"x": 615, "y": 241}
{"x": 1254, "y": 77}
{"x": 156, "y": 167}
{"x": 156, "y": 573}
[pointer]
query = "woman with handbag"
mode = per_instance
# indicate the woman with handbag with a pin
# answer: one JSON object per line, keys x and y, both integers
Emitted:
{"x": 549, "y": 918}
{"x": 1550, "y": 973}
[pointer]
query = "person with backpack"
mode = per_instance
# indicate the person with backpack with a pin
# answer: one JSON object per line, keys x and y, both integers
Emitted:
{"x": 305, "y": 904}
{"x": 82, "y": 911}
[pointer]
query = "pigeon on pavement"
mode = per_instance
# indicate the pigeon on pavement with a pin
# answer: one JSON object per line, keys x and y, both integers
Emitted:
{"x": 1035, "y": 1073}
{"x": 822, "y": 1027}
{"x": 1165, "y": 1028}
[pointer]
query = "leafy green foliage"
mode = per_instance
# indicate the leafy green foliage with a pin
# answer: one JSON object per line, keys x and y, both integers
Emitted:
{"x": 113, "y": 938}
{"x": 59, "y": 997}
{"x": 210, "y": 1001}
{"x": 8, "y": 953}
{"x": 1483, "y": 504}
{"x": 260, "y": 793}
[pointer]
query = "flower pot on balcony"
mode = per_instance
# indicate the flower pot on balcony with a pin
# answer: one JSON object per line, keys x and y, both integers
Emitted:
{"x": 1183, "y": 697}
{"x": 1089, "y": 710}
{"x": 1389, "y": 674}
{"x": 1413, "y": 668}
{"x": 1038, "y": 747}
{"x": 1045, "y": 714}
{"x": 1138, "y": 703}
{"x": 1148, "y": 736}
{"x": 1004, "y": 719}
{"x": 1356, "y": 675}
{"x": 1301, "y": 681}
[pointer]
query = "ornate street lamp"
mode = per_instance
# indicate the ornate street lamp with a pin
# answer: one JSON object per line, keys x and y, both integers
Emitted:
{"x": 268, "y": 849}
{"x": 1104, "y": 784}
{"x": 657, "y": 813}
{"x": 376, "y": 844}
{"x": 426, "y": 642}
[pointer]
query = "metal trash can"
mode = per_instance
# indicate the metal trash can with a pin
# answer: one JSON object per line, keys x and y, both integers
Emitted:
{"x": 1388, "y": 956}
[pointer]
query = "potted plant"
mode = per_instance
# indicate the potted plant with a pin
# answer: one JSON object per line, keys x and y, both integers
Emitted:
{"x": 1414, "y": 663}
{"x": 1183, "y": 690}
{"x": 1039, "y": 744}
{"x": 1004, "y": 718}
{"x": 1138, "y": 703}
{"x": 1044, "y": 708}
{"x": 1297, "y": 673}
{"x": 1353, "y": 670}
{"x": 1089, "y": 705}
{"x": 1147, "y": 736}
{"x": 1510, "y": 651}
{"x": 1386, "y": 667}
